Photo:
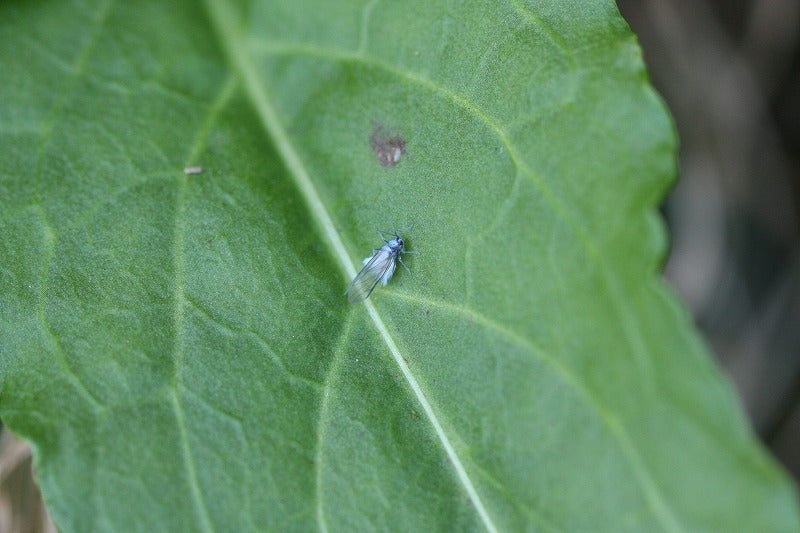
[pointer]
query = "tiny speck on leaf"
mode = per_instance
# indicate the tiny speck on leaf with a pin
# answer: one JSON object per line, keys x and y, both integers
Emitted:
{"x": 388, "y": 149}
{"x": 193, "y": 170}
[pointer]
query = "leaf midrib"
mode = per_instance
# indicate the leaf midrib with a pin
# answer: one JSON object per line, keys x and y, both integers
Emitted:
{"x": 224, "y": 23}
{"x": 634, "y": 340}
{"x": 225, "y": 26}
{"x": 630, "y": 329}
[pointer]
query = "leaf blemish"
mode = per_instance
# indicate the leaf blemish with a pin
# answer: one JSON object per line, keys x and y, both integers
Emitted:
{"x": 387, "y": 148}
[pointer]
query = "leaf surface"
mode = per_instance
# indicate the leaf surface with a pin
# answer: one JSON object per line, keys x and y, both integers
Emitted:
{"x": 178, "y": 348}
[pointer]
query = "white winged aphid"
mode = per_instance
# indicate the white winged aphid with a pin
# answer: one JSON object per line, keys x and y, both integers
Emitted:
{"x": 378, "y": 268}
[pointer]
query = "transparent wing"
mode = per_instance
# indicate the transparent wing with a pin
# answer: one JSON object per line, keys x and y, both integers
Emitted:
{"x": 369, "y": 277}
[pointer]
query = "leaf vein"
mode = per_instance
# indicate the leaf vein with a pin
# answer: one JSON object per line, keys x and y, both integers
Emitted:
{"x": 333, "y": 370}
{"x": 232, "y": 331}
{"x": 55, "y": 342}
{"x": 201, "y": 509}
{"x": 76, "y": 69}
{"x": 179, "y": 303}
{"x": 534, "y": 18}
{"x": 363, "y": 37}
{"x": 653, "y": 495}
{"x": 227, "y": 29}
{"x": 630, "y": 330}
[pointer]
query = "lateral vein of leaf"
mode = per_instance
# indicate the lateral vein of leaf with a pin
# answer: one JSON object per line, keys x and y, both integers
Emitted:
{"x": 178, "y": 353}
{"x": 241, "y": 435}
{"x": 363, "y": 36}
{"x": 426, "y": 406}
{"x": 523, "y": 507}
{"x": 614, "y": 426}
{"x": 227, "y": 28}
{"x": 64, "y": 361}
{"x": 637, "y": 348}
{"x": 76, "y": 69}
{"x": 535, "y": 19}
{"x": 323, "y": 413}
{"x": 230, "y": 330}
{"x": 189, "y": 464}
{"x": 179, "y": 302}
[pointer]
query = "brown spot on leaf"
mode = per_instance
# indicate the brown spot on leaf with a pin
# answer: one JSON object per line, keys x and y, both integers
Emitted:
{"x": 387, "y": 148}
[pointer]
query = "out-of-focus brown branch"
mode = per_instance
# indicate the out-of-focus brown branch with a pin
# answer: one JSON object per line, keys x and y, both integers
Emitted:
{"x": 21, "y": 507}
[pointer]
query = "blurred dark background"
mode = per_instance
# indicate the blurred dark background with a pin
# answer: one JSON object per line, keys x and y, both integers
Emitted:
{"x": 730, "y": 72}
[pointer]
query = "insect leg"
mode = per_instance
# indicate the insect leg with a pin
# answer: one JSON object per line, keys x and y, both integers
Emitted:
{"x": 404, "y": 265}
{"x": 406, "y": 228}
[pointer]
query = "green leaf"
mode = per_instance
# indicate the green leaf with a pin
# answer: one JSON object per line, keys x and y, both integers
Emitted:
{"x": 178, "y": 348}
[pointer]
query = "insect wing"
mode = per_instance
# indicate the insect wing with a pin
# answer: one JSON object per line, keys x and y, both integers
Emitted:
{"x": 369, "y": 277}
